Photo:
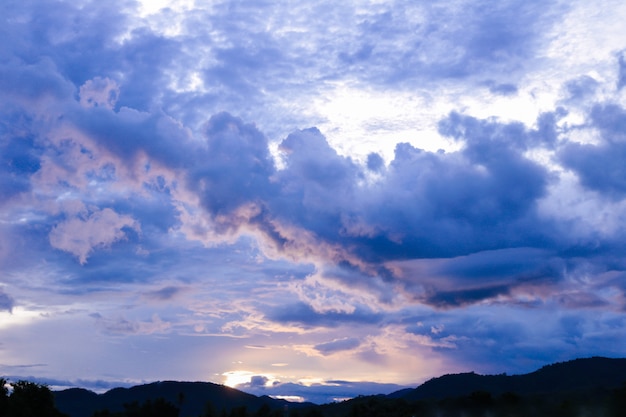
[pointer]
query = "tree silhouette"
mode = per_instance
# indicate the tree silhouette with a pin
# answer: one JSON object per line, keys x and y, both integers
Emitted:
{"x": 4, "y": 397}
{"x": 263, "y": 411}
{"x": 29, "y": 399}
{"x": 618, "y": 403}
{"x": 157, "y": 408}
{"x": 209, "y": 410}
{"x": 241, "y": 411}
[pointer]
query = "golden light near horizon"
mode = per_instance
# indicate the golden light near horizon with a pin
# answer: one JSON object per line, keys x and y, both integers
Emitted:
{"x": 234, "y": 378}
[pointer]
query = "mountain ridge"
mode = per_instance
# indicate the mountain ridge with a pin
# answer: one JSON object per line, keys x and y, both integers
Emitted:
{"x": 586, "y": 376}
{"x": 190, "y": 397}
{"x": 574, "y": 375}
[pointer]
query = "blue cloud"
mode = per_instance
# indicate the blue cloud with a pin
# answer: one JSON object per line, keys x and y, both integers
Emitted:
{"x": 337, "y": 345}
{"x": 585, "y": 159}
{"x": 621, "y": 79}
{"x": 6, "y": 302}
{"x": 505, "y": 89}
{"x": 303, "y": 314}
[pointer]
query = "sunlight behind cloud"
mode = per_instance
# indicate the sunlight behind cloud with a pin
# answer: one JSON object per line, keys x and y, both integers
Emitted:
{"x": 234, "y": 378}
{"x": 359, "y": 121}
{"x": 237, "y": 378}
{"x": 18, "y": 317}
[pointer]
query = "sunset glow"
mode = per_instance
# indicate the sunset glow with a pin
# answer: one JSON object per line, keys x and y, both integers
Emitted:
{"x": 309, "y": 200}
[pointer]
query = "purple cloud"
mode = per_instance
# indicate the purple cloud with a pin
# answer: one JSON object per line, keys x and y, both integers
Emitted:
{"x": 6, "y": 302}
{"x": 328, "y": 348}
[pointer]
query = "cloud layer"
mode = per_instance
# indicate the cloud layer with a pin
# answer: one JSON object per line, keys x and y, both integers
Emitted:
{"x": 365, "y": 192}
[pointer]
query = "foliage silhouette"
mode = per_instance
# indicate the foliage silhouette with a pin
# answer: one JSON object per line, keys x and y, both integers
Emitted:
{"x": 27, "y": 399}
{"x": 592, "y": 387}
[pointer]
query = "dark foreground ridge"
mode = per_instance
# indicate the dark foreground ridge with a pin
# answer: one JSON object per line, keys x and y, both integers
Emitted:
{"x": 578, "y": 375}
{"x": 593, "y": 386}
{"x": 193, "y": 399}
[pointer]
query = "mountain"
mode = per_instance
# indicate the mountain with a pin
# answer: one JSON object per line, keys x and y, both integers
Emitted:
{"x": 597, "y": 384}
{"x": 572, "y": 376}
{"x": 190, "y": 397}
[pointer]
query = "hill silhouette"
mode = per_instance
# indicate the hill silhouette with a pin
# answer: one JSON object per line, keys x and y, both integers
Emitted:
{"x": 576, "y": 375}
{"x": 593, "y": 384}
{"x": 190, "y": 397}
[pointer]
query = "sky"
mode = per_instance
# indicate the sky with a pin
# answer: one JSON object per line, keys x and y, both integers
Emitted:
{"x": 312, "y": 200}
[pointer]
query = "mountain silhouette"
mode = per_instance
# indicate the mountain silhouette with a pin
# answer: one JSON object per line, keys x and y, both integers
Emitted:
{"x": 190, "y": 397}
{"x": 589, "y": 382}
{"x": 587, "y": 374}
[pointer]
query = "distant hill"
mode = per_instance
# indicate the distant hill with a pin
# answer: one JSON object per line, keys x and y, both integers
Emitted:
{"x": 190, "y": 397}
{"x": 576, "y": 375}
{"x": 592, "y": 384}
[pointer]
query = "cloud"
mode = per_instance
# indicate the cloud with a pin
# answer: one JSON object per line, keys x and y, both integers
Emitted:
{"x": 460, "y": 298}
{"x": 99, "y": 228}
{"x": 329, "y": 348}
{"x": 609, "y": 120}
{"x": 123, "y": 326}
{"x": 323, "y": 392}
{"x": 581, "y": 88}
{"x": 621, "y": 79}
{"x": 258, "y": 381}
{"x": 6, "y": 302}
{"x": 99, "y": 92}
{"x": 164, "y": 294}
{"x": 304, "y": 315}
{"x": 34, "y": 83}
{"x": 237, "y": 167}
{"x": 19, "y": 158}
{"x": 503, "y": 89}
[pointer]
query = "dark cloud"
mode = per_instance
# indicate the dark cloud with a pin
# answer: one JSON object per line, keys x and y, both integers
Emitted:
{"x": 581, "y": 88}
{"x": 303, "y": 314}
{"x": 129, "y": 133}
{"x": 503, "y": 89}
{"x": 316, "y": 184}
{"x": 447, "y": 204}
{"x": 6, "y": 302}
{"x": 164, "y": 294}
{"x": 236, "y": 167}
{"x": 600, "y": 166}
{"x": 425, "y": 204}
{"x": 610, "y": 120}
{"x": 522, "y": 263}
{"x": 19, "y": 158}
{"x": 460, "y": 298}
{"x": 375, "y": 162}
{"x": 621, "y": 77}
{"x": 258, "y": 381}
{"x": 30, "y": 82}
{"x": 339, "y": 345}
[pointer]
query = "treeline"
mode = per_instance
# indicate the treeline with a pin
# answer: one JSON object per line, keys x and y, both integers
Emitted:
{"x": 26, "y": 399}
{"x": 609, "y": 403}
{"x": 600, "y": 403}
{"x": 162, "y": 408}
